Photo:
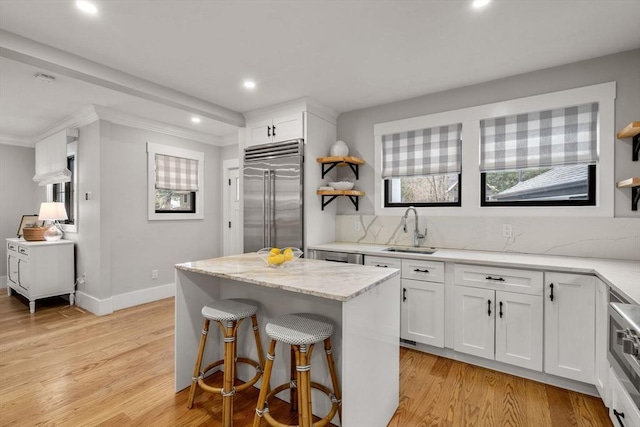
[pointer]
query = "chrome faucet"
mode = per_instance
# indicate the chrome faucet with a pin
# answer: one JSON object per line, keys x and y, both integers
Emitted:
{"x": 417, "y": 237}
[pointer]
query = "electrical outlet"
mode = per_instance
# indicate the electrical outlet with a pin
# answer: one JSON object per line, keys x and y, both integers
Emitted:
{"x": 154, "y": 274}
{"x": 357, "y": 225}
{"x": 507, "y": 231}
{"x": 82, "y": 279}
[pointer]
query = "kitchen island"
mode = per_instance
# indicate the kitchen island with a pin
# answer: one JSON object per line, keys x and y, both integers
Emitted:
{"x": 363, "y": 302}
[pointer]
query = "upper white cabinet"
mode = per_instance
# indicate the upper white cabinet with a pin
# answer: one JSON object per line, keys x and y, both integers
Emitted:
{"x": 498, "y": 314}
{"x": 569, "y": 326}
{"x": 276, "y": 129}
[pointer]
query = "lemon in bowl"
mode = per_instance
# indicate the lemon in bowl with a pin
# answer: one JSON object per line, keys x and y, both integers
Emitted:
{"x": 277, "y": 257}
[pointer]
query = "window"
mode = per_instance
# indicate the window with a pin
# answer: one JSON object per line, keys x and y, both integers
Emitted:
{"x": 175, "y": 178}
{"x": 545, "y": 158}
{"x": 422, "y": 167}
{"x": 65, "y": 192}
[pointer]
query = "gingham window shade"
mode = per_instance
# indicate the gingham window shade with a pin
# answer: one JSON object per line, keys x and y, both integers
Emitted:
{"x": 423, "y": 152}
{"x": 563, "y": 136}
{"x": 176, "y": 173}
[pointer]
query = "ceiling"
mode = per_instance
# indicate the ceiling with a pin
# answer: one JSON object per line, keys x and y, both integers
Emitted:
{"x": 347, "y": 54}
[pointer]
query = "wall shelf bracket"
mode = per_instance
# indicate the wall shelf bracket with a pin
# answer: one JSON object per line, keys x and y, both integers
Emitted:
{"x": 635, "y": 196}
{"x": 635, "y": 147}
{"x": 325, "y": 202}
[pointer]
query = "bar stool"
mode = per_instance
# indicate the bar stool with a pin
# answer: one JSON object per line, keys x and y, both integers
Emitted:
{"x": 301, "y": 331}
{"x": 229, "y": 314}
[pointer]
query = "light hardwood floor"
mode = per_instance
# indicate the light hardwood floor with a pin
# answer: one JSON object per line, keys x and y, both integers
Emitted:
{"x": 64, "y": 367}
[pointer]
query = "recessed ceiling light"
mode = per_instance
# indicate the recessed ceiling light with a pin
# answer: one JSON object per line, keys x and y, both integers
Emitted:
{"x": 196, "y": 119}
{"x": 249, "y": 84}
{"x": 87, "y": 7}
{"x": 477, "y": 4}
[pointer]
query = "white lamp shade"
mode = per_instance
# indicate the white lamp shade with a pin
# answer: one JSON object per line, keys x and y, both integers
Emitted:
{"x": 52, "y": 211}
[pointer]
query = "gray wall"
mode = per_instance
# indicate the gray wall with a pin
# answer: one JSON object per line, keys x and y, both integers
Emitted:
{"x": 19, "y": 195}
{"x": 356, "y": 127}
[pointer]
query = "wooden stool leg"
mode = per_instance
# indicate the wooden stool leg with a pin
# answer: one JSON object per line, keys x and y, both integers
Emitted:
{"x": 196, "y": 370}
{"x": 334, "y": 376}
{"x": 264, "y": 388}
{"x": 293, "y": 393}
{"x": 228, "y": 389}
{"x": 256, "y": 335}
{"x": 303, "y": 367}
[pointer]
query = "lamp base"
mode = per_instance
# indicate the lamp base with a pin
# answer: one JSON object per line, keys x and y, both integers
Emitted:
{"x": 52, "y": 234}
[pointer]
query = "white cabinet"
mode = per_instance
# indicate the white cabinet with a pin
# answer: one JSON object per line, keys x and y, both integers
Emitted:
{"x": 40, "y": 269}
{"x": 498, "y": 314}
{"x": 602, "y": 343}
{"x": 422, "y": 307}
{"x": 275, "y": 129}
{"x": 622, "y": 411}
{"x": 569, "y": 326}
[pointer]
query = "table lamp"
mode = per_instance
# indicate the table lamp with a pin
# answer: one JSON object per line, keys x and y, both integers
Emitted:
{"x": 52, "y": 211}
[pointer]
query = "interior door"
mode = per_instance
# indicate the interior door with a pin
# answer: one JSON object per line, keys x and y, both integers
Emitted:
{"x": 255, "y": 194}
{"x": 286, "y": 209}
{"x": 232, "y": 216}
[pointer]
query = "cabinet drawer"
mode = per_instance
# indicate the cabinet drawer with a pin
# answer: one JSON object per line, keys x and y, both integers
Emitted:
{"x": 380, "y": 261}
{"x": 621, "y": 403}
{"x": 12, "y": 247}
{"x": 427, "y": 271}
{"x": 506, "y": 279}
{"x": 22, "y": 250}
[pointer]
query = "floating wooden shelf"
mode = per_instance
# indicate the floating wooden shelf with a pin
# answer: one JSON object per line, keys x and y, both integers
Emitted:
{"x": 634, "y": 184}
{"x": 328, "y": 163}
{"x": 632, "y": 130}
{"x": 333, "y": 194}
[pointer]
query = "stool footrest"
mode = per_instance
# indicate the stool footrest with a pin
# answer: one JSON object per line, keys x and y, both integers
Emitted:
{"x": 323, "y": 422}
{"x": 244, "y": 386}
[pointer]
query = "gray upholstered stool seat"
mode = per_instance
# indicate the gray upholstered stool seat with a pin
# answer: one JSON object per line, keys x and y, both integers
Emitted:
{"x": 300, "y": 328}
{"x": 228, "y": 314}
{"x": 301, "y": 331}
{"x": 229, "y": 309}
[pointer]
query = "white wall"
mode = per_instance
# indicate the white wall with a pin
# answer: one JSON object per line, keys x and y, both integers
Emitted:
{"x": 19, "y": 195}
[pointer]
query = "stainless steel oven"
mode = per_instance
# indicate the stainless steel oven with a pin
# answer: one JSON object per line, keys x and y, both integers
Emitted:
{"x": 624, "y": 344}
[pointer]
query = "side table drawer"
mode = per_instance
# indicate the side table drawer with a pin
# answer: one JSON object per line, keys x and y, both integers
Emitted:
{"x": 22, "y": 250}
{"x": 12, "y": 247}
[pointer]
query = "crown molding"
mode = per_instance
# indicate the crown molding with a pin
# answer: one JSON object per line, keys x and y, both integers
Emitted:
{"x": 300, "y": 104}
{"x": 17, "y": 141}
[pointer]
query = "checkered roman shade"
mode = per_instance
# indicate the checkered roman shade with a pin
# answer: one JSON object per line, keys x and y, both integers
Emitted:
{"x": 423, "y": 152}
{"x": 176, "y": 173}
{"x": 564, "y": 136}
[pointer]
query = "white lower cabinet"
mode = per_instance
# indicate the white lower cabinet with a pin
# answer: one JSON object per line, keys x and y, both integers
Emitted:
{"x": 422, "y": 312}
{"x": 601, "y": 342}
{"x": 622, "y": 411}
{"x": 499, "y": 325}
{"x": 569, "y": 326}
{"x": 492, "y": 322}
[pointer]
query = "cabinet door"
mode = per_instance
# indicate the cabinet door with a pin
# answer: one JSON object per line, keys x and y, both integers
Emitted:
{"x": 569, "y": 326}
{"x": 602, "y": 319}
{"x": 12, "y": 269}
{"x": 422, "y": 312}
{"x": 519, "y": 329}
{"x": 23, "y": 274}
{"x": 259, "y": 132}
{"x": 287, "y": 127}
{"x": 473, "y": 324}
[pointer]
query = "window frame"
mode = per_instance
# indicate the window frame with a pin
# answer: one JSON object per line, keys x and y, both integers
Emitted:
{"x": 604, "y": 94}
{"x": 72, "y": 151}
{"x": 388, "y": 204}
{"x": 153, "y": 215}
{"x": 590, "y": 201}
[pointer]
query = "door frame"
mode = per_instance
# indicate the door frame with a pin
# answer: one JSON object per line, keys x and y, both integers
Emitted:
{"x": 227, "y": 166}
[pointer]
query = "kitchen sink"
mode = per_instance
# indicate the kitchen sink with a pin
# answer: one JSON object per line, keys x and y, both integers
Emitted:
{"x": 422, "y": 251}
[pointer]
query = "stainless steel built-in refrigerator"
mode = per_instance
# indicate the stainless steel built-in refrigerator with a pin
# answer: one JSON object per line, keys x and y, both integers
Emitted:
{"x": 273, "y": 191}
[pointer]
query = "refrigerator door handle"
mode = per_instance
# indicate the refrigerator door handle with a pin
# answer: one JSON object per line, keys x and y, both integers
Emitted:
{"x": 272, "y": 205}
{"x": 265, "y": 208}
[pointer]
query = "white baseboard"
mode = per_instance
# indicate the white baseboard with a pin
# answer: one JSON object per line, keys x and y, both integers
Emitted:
{"x": 130, "y": 299}
{"x": 143, "y": 296}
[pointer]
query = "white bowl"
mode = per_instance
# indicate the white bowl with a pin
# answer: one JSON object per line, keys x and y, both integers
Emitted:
{"x": 342, "y": 185}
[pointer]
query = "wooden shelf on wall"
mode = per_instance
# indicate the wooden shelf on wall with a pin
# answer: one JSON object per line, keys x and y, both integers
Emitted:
{"x": 333, "y": 194}
{"x": 631, "y": 130}
{"x": 329, "y": 163}
{"x": 628, "y": 183}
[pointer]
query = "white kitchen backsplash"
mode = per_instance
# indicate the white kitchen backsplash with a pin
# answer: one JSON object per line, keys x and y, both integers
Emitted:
{"x": 614, "y": 238}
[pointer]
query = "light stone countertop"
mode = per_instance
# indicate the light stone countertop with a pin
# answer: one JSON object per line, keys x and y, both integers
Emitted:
{"x": 622, "y": 276}
{"x": 324, "y": 279}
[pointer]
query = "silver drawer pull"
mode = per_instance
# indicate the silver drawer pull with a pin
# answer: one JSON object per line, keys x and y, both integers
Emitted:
{"x": 417, "y": 270}
{"x": 22, "y": 250}
{"x": 497, "y": 279}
